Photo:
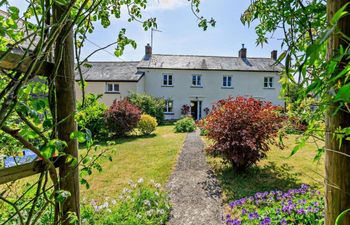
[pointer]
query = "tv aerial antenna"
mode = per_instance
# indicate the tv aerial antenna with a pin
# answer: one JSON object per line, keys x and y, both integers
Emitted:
{"x": 152, "y": 31}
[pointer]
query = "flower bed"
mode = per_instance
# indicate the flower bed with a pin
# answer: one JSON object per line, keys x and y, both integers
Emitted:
{"x": 140, "y": 203}
{"x": 297, "y": 206}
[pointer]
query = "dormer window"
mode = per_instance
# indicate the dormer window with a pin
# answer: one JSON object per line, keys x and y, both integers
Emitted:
{"x": 268, "y": 82}
{"x": 167, "y": 80}
{"x": 112, "y": 88}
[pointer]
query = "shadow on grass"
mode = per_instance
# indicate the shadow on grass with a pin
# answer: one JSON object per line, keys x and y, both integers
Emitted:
{"x": 256, "y": 179}
{"x": 121, "y": 140}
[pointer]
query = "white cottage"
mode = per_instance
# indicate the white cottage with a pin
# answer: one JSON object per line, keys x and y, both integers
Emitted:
{"x": 198, "y": 81}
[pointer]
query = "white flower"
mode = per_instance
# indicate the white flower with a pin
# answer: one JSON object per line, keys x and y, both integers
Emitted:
{"x": 97, "y": 208}
{"x": 149, "y": 213}
{"x": 147, "y": 202}
{"x": 93, "y": 202}
{"x": 125, "y": 190}
{"x": 139, "y": 216}
{"x": 113, "y": 202}
{"x": 140, "y": 181}
{"x": 105, "y": 205}
{"x": 160, "y": 211}
{"x": 157, "y": 185}
{"x": 156, "y": 193}
{"x": 109, "y": 210}
{"x": 132, "y": 184}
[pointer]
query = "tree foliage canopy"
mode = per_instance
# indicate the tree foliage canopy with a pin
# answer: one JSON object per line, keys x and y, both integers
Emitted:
{"x": 41, "y": 37}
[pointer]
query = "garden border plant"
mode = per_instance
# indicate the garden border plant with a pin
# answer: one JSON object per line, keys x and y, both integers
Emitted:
{"x": 242, "y": 130}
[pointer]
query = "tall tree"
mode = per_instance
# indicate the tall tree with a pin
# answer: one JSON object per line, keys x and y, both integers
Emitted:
{"x": 337, "y": 180}
{"x": 65, "y": 99}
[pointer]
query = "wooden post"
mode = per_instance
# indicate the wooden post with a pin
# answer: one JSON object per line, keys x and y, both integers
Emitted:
{"x": 337, "y": 180}
{"x": 65, "y": 94}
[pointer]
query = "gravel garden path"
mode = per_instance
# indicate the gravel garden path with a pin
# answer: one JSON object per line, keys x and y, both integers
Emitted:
{"x": 195, "y": 194}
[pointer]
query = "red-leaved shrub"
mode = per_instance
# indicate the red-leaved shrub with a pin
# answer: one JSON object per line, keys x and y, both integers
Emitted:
{"x": 122, "y": 117}
{"x": 242, "y": 129}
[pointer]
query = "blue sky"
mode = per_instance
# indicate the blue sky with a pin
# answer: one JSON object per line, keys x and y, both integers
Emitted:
{"x": 180, "y": 33}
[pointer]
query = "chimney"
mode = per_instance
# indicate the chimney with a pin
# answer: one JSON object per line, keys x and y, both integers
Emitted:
{"x": 274, "y": 55}
{"x": 148, "y": 51}
{"x": 243, "y": 52}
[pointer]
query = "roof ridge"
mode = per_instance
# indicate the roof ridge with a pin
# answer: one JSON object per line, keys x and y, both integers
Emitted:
{"x": 255, "y": 57}
{"x": 112, "y": 61}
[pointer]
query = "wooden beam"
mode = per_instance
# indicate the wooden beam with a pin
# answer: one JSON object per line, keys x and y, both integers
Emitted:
{"x": 25, "y": 170}
{"x": 12, "y": 60}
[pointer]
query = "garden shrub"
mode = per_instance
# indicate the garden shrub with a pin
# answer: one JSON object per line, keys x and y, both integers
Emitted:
{"x": 147, "y": 124}
{"x": 149, "y": 105}
{"x": 140, "y": 203}
{"x": 90, "y": 116}
{"x": 242, "y": 130}
{"x": 186, "y": 124}
{"x": 122, "y": 117}
{"x": 297, "y": 206}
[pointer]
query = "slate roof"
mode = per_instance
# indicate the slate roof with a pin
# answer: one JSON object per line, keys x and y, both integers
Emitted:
{"x": 111, "y": 71}
{"x": 221, "y": 63}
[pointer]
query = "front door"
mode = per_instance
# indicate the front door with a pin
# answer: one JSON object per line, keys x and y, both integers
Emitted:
{"x": 196, "y": 109}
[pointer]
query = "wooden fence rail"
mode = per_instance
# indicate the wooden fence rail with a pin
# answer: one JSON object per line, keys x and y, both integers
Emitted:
{"x": 12, "y": 60}
{"x": 25, "y": 170}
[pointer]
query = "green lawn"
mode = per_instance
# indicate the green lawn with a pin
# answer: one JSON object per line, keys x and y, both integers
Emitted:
{"x": 152, "y": 157}
{"x": 277, "y": 171}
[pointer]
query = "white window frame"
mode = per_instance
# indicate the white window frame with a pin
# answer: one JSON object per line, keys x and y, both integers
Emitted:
{"x": 197, "y": 79}
{"x": 268, "y": 82}
{"x": 115, "y": 87}
{"x": 227, "y": 85}
{"x": 167, "y": 108}
{"x": 167, "y": 77}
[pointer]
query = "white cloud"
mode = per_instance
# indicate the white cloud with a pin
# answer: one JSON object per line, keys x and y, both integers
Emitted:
{"x": 166, "y": 4}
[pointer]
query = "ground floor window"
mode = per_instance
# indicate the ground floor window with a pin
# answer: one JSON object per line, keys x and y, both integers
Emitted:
{"x": 169, "y": 106}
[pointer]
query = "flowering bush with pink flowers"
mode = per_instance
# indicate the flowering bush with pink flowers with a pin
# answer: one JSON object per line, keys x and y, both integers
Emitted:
{"x": 297, "y": 206}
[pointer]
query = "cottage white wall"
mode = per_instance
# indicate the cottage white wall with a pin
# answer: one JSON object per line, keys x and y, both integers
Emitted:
{"x": 244, "y": 84}
{"x": 140, "y": 88}
{"x": 125, "y": 88}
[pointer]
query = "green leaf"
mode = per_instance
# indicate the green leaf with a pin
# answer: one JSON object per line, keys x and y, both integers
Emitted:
{"x": 80, "y": 136}
{"x": 14, "y": 12}
{"x": 341, "y": 217}
{"x": 339, "y": 14}
{"x": 319, "y": 154}
{"x": 343, "y": 94}
{"x": 47, "y": 151}
{"x": 85, "y": 182}
{"x": 61, "y": 2}
{"x": 62, "y": 195}
{"x": 298, "y": 146}
{"x": 72, "y": 160}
